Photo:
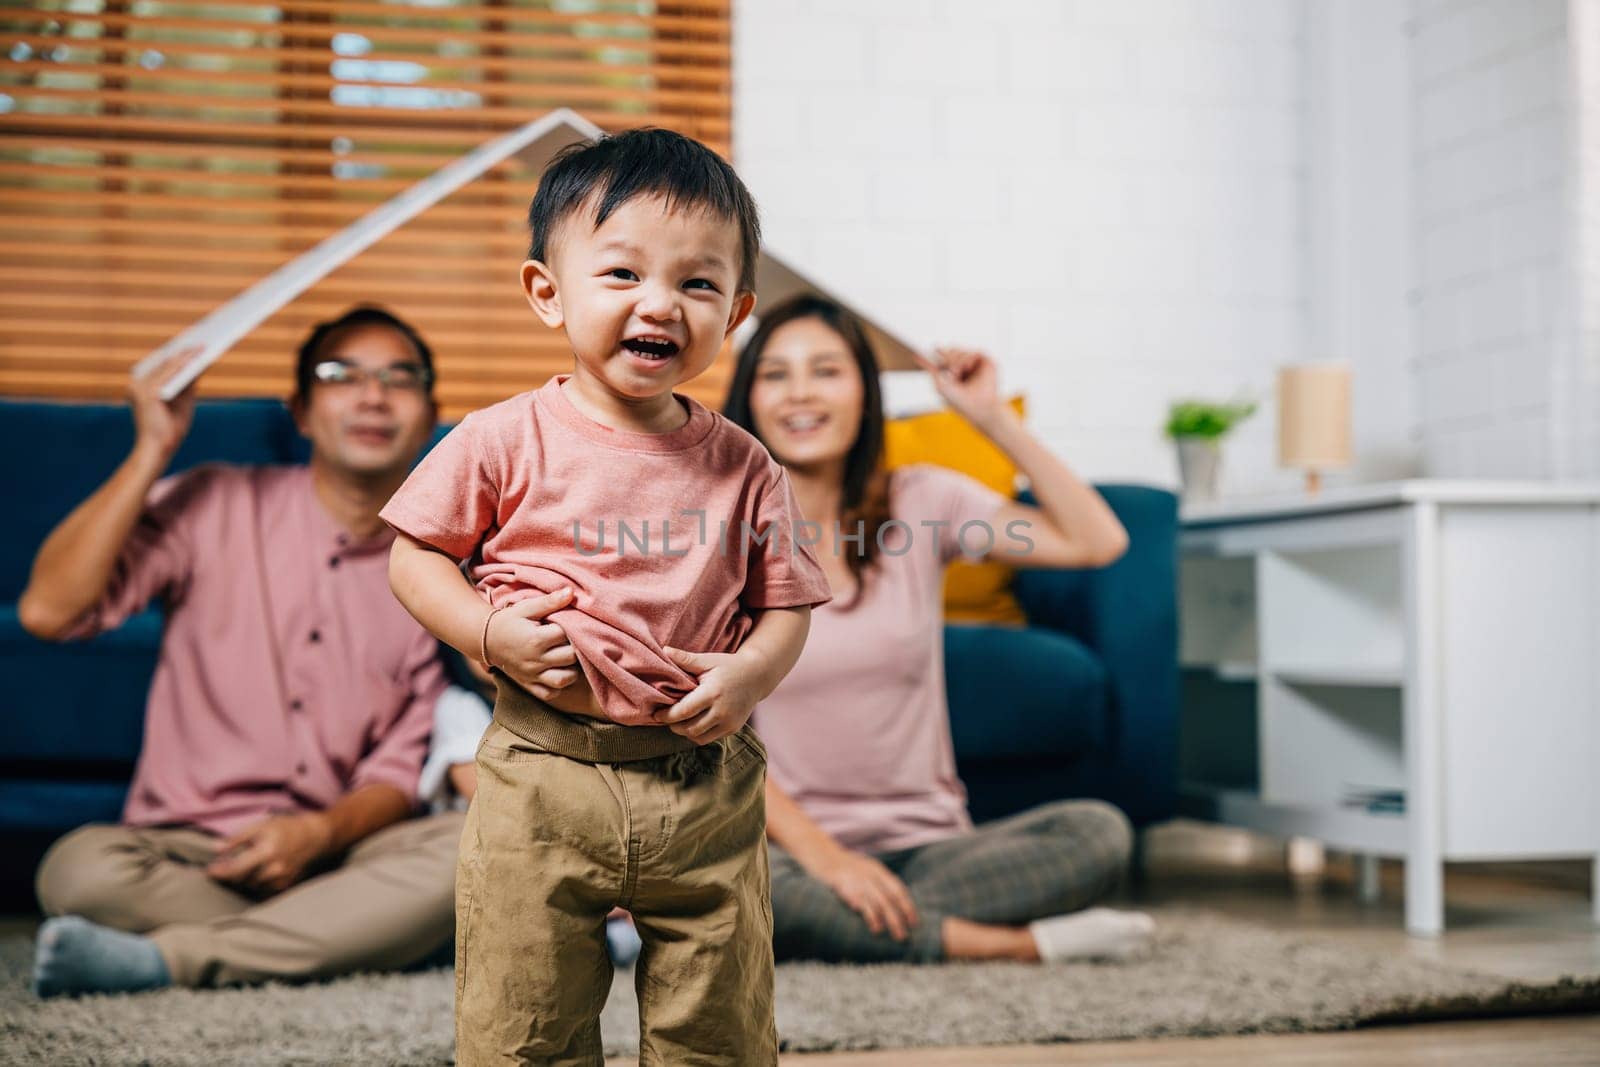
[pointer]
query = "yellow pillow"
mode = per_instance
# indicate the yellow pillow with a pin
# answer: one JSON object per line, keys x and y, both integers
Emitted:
{"x": 973, "y": 592}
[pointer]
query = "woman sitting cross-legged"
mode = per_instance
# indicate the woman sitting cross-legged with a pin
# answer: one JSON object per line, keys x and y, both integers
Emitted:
{"x": 874, "y": 856}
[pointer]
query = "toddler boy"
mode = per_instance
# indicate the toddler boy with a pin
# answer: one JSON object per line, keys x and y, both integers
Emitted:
{"x": 666, "y": 535}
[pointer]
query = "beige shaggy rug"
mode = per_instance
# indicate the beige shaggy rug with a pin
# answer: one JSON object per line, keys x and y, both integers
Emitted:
{"x": 1204, "y": 975}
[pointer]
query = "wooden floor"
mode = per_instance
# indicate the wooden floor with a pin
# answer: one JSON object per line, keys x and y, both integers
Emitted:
{"x": 1530, "y": 921}
{"x": 1568, "y": 1041}
{"x": 1526, "y": 921}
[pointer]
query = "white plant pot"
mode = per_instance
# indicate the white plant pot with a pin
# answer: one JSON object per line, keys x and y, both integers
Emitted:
{"x": 1199, "y": 463}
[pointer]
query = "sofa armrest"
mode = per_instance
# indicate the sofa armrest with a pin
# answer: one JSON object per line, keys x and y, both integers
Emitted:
{"x": 1127, "y": 614}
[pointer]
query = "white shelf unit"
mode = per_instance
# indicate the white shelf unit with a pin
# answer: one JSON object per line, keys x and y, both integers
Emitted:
{"x": 1432, "y": 641}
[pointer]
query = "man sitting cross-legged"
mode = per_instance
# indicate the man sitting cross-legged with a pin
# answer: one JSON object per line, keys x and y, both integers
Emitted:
{"x": 268, "y": 831}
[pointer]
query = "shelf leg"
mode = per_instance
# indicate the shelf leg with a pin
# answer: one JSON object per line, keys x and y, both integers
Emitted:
{"x": 1367, "y": 889}
{"x": 1424, "y": 895}
{"x": 1305, "y": 857}
{"x": 1423, "y": 713}
{"x": 1594, "y": 890}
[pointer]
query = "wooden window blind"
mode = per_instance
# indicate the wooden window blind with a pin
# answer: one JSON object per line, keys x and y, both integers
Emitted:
{"x": 158, "y": 157}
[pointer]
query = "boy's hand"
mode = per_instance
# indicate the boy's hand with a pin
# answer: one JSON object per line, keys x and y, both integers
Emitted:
{"x": 729, "y": 686}
{"x": 531, "y": 652}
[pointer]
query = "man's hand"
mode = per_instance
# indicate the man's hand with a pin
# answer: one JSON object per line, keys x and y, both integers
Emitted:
{"x": 75, "y": 563}
{"x": 274, "y": 854}
{"x": 729, "y": 685}
{"x": 161, "y": 425}
{"x": 531, "y": 652}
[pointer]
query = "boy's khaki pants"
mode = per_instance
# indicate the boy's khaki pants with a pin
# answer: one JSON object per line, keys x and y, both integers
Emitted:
{"x": 553, "y": 843}
{"x": 385, "y": 906}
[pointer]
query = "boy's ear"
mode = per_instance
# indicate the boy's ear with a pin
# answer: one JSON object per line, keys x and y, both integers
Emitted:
{"x": 743, "y": 303}
{"x": 539, "y": 284}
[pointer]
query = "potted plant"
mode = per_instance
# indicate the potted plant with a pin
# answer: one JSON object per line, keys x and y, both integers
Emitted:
{"x": 1197, "y": 427}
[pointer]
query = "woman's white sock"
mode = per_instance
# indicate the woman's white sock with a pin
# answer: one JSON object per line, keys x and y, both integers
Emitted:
{"x": 1095, "y": 933}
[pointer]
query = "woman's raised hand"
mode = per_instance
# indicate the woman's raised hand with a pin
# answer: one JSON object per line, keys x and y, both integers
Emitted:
{"x": 871, "y": 889}
{"x": 968, "y": 380}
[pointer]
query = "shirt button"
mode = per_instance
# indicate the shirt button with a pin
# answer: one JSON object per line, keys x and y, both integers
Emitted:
{"x": 316, "y": 635}
{"x": 333, "y": 561}
{"x": 295, "y": 705}
{"x": 300, "y": 768}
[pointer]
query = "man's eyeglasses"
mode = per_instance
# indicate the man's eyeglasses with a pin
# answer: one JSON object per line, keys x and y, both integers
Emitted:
{"x": 410, "y": 377}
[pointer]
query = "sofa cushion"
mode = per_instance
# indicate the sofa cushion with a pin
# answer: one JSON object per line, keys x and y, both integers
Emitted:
{"x": 1023, "y": 693}
{"x": 59, "y": 453}
{"x": 58, "y": 806}
{"x": 79, "y": 701}
{"x": 973, "y": 592}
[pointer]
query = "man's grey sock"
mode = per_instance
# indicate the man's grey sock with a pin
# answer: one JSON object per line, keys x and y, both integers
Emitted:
{"x": 76, "y": 956}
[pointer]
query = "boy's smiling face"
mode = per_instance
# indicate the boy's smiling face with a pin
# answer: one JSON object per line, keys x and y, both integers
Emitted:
{"x": 646, "y": 299}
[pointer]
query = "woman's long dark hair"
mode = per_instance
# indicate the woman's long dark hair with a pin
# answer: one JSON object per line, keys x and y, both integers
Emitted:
{"x": 865, "y": 497}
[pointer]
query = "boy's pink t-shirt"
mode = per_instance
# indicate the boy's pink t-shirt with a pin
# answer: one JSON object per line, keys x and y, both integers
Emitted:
{"x": 858, "y": 733}
{"x": 531, "y": 492}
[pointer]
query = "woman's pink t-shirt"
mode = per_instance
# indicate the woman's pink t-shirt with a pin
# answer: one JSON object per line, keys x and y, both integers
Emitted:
{"x": 531, "y": 493}
{"x": 859, "y": 732}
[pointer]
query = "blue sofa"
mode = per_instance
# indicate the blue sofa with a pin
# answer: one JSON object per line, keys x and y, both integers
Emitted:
{"x": 1081, "y": 703}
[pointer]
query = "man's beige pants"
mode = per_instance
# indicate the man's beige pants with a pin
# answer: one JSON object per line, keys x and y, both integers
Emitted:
{"x": 554, "y": 843}
{"x": 387, "y": 905}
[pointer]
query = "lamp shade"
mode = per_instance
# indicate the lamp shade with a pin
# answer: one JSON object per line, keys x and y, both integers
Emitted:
{"x": 1314, "y": 415}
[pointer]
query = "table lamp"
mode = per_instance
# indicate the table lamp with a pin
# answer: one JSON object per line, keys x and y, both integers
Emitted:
{"x": 1314, "y": 418}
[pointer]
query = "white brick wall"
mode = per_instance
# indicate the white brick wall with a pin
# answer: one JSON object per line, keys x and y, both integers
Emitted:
{"x": 1106, "y": 195}
{"x": 1576, "y": 441}
{"x": 1359, "y": 213}
{"x": 1492, "y": 106}
{"x": 1129, "y": 201}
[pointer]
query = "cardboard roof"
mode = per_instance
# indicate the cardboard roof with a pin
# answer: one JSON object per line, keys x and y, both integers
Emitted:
{"x": 535, "y": 144}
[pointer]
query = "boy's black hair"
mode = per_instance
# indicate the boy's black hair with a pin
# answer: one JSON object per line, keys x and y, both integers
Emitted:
{"x": 643, "y": 162}
{"x": 311, "y": 351}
